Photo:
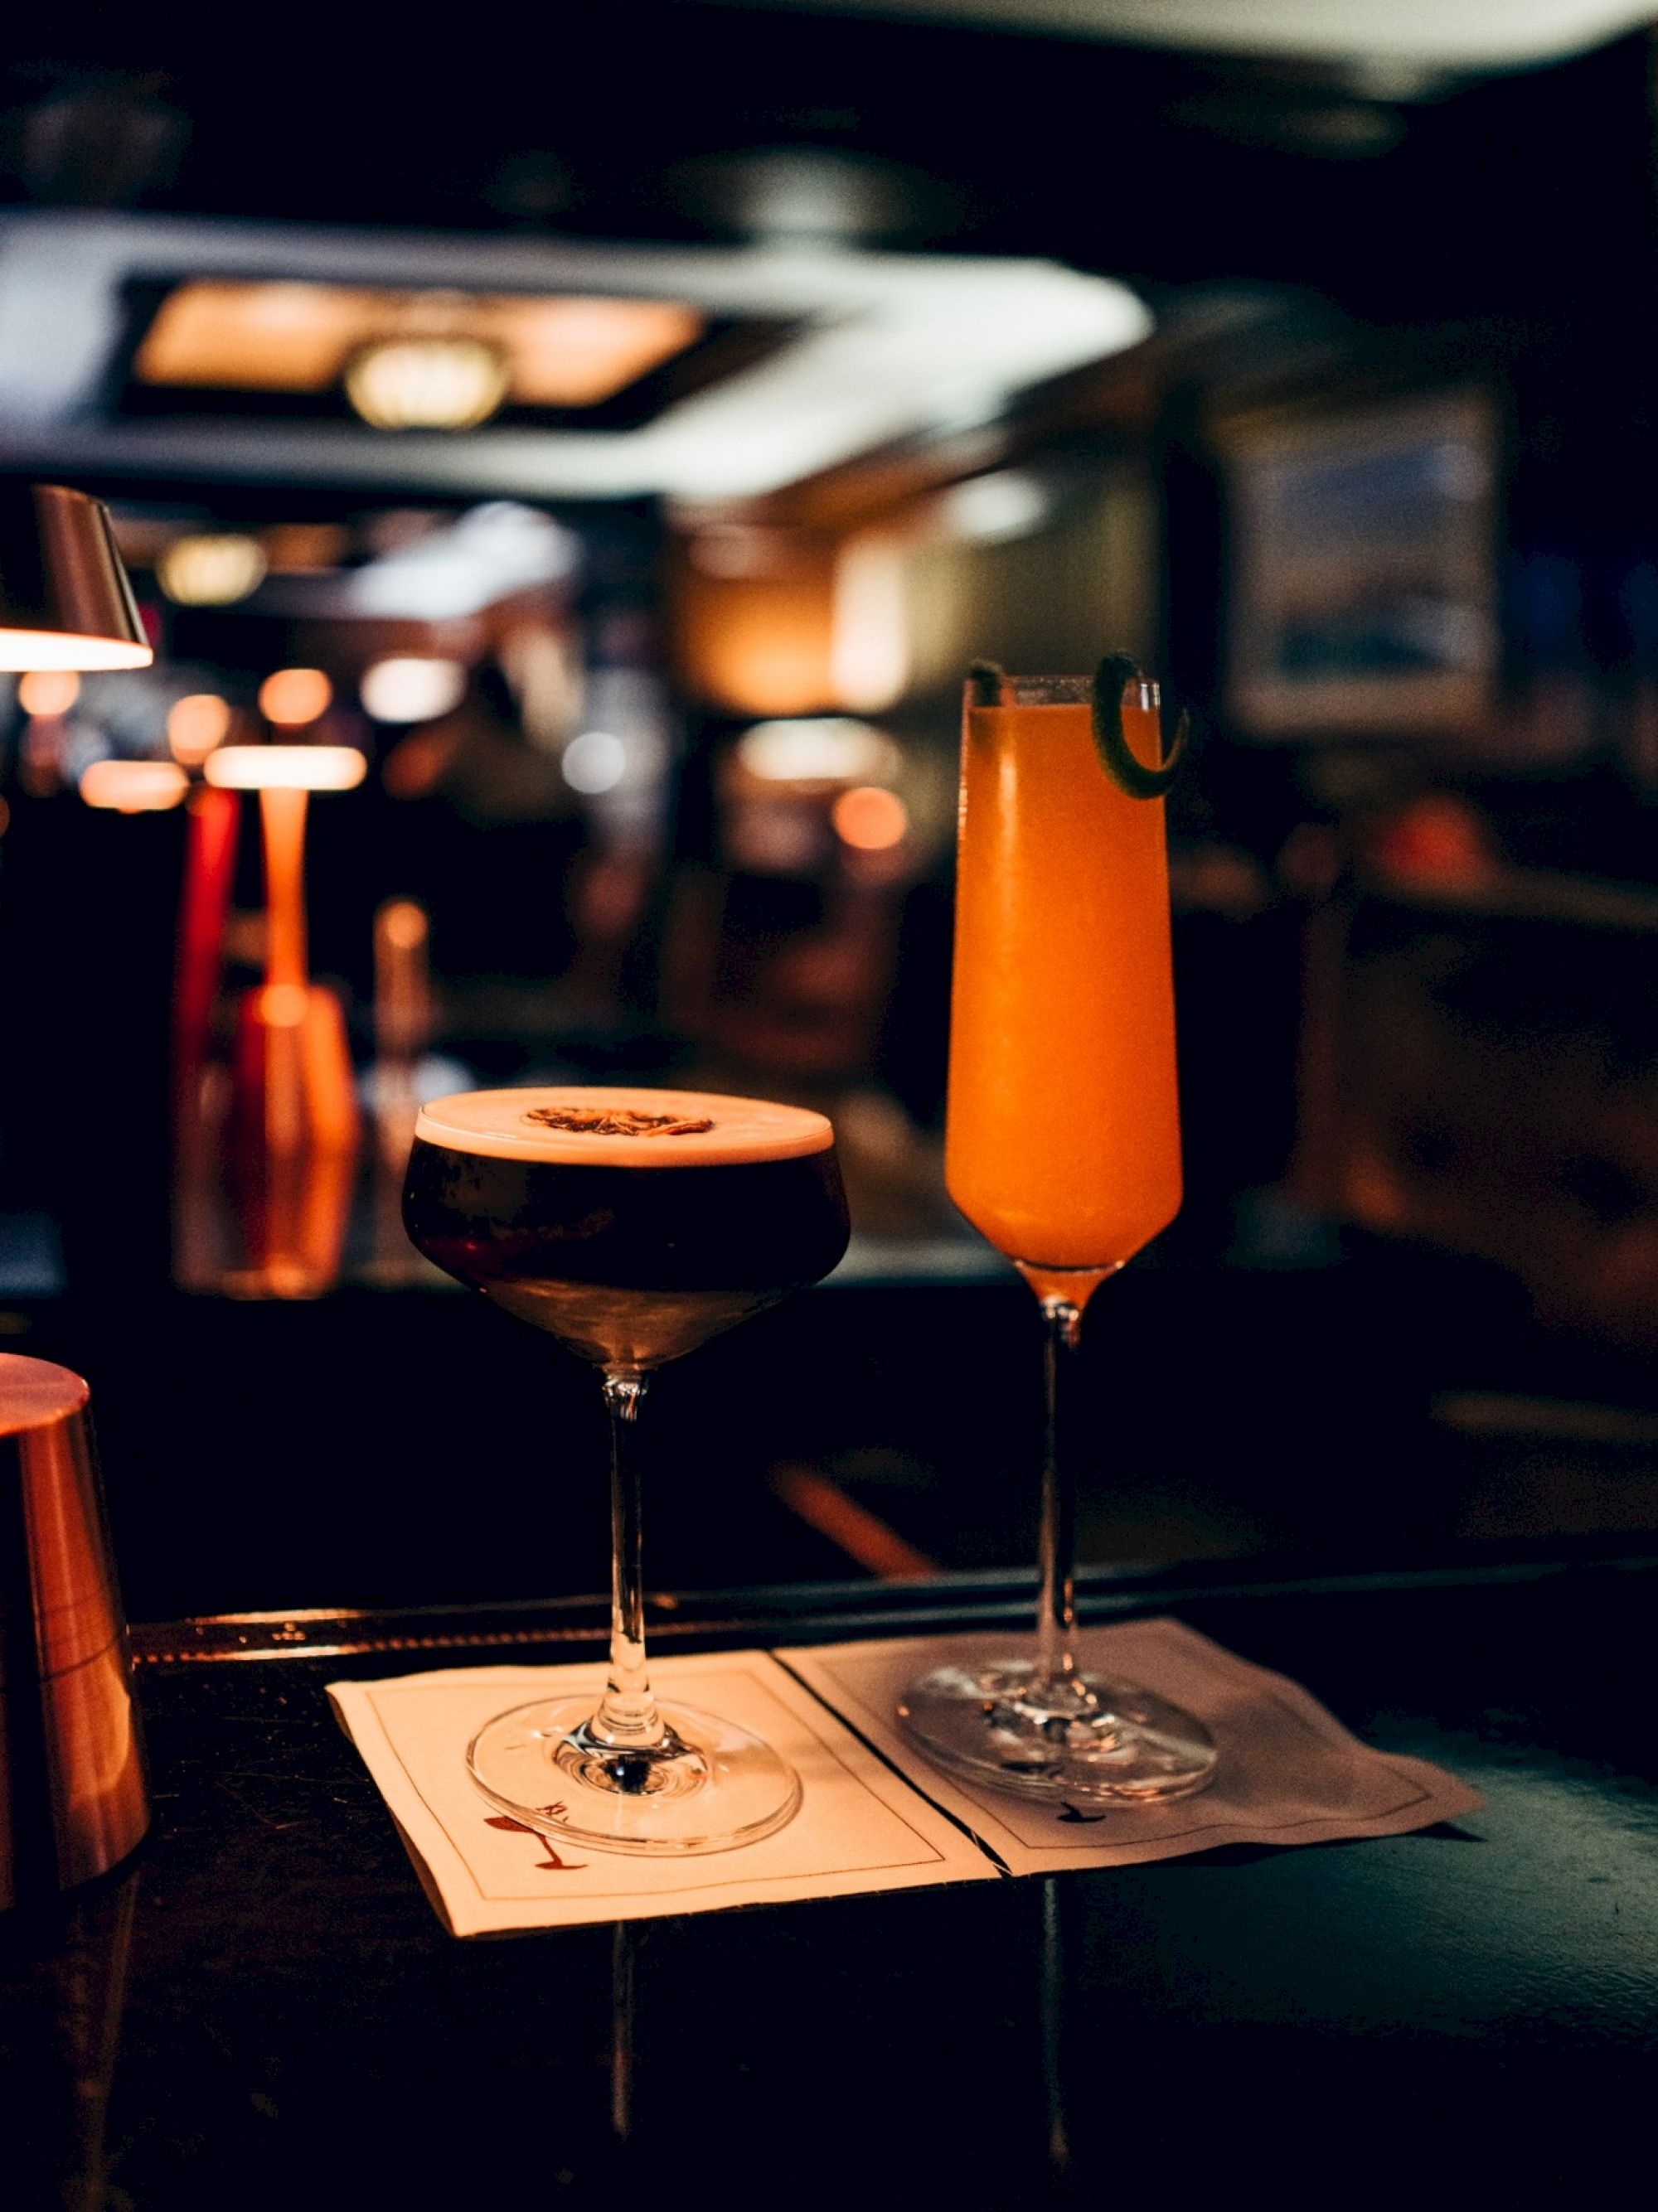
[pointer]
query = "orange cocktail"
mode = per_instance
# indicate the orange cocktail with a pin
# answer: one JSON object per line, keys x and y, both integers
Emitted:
{"x": 1064, "y": 1137}
{"x": 1063, "y": 1144}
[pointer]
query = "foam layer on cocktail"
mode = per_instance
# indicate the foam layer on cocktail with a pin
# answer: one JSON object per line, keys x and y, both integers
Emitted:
{"x": 603, "y": 1125}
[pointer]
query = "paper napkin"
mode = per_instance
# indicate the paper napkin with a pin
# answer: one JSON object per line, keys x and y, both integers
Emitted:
{"x": 859, "y": 1827}
{"x": 1289, "y": 1772}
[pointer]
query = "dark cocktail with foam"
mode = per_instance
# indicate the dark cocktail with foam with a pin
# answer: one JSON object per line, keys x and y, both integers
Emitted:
{"x": 633, "y": 1225}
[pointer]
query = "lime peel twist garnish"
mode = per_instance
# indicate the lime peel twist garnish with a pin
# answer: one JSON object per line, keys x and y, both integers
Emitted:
{"x": 1122, "y": 764}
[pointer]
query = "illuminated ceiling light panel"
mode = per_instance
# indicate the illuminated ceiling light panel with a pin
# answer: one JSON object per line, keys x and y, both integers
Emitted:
{"x": 1424, "y": 34}
{"x": 286, "y": 767}
{"x": 885, "y": 348}
{"x": 301, "y": 337}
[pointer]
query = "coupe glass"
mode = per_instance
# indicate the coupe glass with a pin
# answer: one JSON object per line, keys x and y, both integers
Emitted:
{"x": 1063, "y": 1144}
{"x": 633, "y": 1226}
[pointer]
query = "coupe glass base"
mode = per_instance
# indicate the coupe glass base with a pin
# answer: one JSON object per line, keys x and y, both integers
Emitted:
{"x": 1085, "y": 1739}
{"x": 708, "y": 1786}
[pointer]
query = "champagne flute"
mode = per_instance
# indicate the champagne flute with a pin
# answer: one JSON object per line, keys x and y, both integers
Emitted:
{"x": 633, "y": 1226}
{"x": 1063, "y": 1145}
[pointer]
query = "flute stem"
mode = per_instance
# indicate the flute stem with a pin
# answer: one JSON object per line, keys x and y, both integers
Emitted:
{"x": 1056, "y": 1660}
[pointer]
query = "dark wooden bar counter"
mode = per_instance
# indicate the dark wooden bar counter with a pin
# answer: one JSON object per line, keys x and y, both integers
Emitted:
{"x": 263, "y": 2008}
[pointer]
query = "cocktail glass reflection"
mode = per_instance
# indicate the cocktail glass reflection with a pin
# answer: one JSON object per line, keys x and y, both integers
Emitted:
{"x": 1063, "y": 1145}
{"x": 633, "y": 1226}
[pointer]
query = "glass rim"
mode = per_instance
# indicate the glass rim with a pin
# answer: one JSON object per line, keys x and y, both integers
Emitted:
{"x": 1057, "y": 691}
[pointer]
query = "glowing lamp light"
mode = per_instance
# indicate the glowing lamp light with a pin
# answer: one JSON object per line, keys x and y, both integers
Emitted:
{"x": 594, "y": 761}
{"x": 991, "y": 510}
{"x": 411, "y": 689}
{"x": 197, "y": 725}
{"x": 134, "y": 787}
{"x": 211, "y": 571}
{"x": 403, "y": 923}
{"x": 869, "y": 819}
{"x": 817, "y": 749}
{"x": 65, "y": 599}
{"x": 286, "y": 767}
{"x": 427, "y": 383}
{"x": 293, "y": 697}
{"x": 44, "y": 692}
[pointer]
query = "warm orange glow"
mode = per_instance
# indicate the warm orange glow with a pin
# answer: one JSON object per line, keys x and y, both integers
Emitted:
{"x": 286, "y": 767}
{"x": 48, "y": 691}
{"x": 298, "y": 338}
{"x": 427, "y": 384}
{"x": 56, "y": 648}
{"x": 134, "y": 787}
{"x": 283, "y": 1005}
{"x": 196, "y": 725}
{"x": 869, "y": 819}
{"x": 403, "y": 923}
{"x": 293, "y": 697}
{"x": 761, "y": 643}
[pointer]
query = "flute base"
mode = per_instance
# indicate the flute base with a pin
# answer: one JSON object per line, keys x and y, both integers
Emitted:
{"x": 707, "y": 1786}
{"x": 1082, "y": 1740}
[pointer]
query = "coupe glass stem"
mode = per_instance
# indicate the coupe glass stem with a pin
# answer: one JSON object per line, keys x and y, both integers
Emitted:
{"x": 1056, "y": 1660}
{"x": 627, "y": 1718}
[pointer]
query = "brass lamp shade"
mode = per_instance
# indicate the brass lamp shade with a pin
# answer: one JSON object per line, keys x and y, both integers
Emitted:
{"x": 65, "y": 599}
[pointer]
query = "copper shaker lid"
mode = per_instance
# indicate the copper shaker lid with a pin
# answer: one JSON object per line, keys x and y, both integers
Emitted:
{"x": 35, "y": 1393}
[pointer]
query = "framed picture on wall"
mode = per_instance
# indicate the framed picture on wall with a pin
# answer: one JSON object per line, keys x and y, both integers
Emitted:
{"x": 1363, "y": 586}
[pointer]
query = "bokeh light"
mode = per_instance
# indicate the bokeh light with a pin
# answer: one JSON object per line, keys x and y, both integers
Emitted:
{"x": 286, "y": 767}
{"x": 134, "y": 787}
{"x": 409, "y": 689}
{"x": 428, "y": 383}
{"x": 196, "y": 724}
{"x": 211, "y": 571}
{"x": 293, "y": 697}
{"x": 594, "y": 761}
{"x": 869, "y": 819}
{"x": 47, "y": 691}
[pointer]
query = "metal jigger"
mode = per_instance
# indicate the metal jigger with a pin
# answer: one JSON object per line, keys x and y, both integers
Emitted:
{"x": 72, "y": 1796}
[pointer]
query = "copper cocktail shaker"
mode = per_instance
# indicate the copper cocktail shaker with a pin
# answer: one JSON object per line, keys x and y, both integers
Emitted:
{"x": 72, "y": 1796}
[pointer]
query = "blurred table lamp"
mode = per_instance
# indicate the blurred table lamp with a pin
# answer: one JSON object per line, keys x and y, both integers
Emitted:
{"x": 294, "y": 1112}
{"x": 403, "y": 1022}
{"x": 65, "y": 599}
{"x": 72, "y": 1798}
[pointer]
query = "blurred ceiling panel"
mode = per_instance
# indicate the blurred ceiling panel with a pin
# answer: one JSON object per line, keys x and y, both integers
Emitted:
{"x": 880, "y": 346}
{"x": 1459, "y": 35}
{"x": 276, "y": 336}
